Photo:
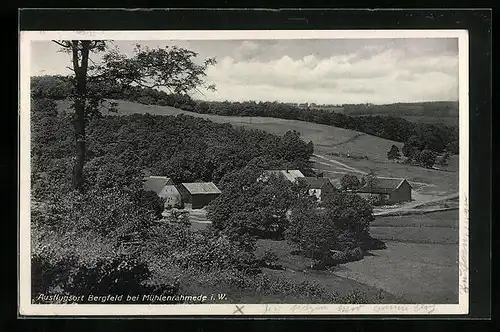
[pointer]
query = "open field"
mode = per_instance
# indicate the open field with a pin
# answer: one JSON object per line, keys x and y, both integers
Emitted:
{"x": 428, "y": 235}
{"x": 421, "y": 273}
{"x": 326, "y": 139}
{"x": 420, "y": 264}
{"x": 445, "y": 219}
{"x": 426, "y": 182}
{"x": 421, "y": 259}
{"x": 295, "y": 264}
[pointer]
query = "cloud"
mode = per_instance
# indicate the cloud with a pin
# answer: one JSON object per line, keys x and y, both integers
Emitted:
{"x": 359, "y": 90}
{"x": 247, "y": 50}
{"x": 378, "y": 75}
{"x": 321, "y": 71}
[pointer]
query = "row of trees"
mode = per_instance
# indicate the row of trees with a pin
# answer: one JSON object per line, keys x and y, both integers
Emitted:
{"x": 418, "y": 154}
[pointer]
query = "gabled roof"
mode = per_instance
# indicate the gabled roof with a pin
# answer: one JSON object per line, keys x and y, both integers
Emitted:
{"x": 289, "y": 174}
{"x": 169, "y": 191}
{"x": 156, "y": 183}
{"x": 316, "y": 182}
{"x": 383, "y": 186}
{"x": 201, "y": 188}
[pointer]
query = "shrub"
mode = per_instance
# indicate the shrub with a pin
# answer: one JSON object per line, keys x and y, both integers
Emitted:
{"x": 427, "y": 158}
{"x": 350, "y": 182}
{"x": 311, "y": 231}
{"x": 355, "y": 254}
{"x": 270, "y": 260}
{"x": 149, "y": 200}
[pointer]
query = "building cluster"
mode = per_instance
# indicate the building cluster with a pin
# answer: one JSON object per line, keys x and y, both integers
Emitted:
{"x": 194, "y": 195}
{"x": 319, "y": 187}
{"x": 197, "y": 195}
{"x": 328, "y": 107}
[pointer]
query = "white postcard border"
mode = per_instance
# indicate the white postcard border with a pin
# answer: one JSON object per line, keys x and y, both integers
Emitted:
{"x": 26, "y": 308}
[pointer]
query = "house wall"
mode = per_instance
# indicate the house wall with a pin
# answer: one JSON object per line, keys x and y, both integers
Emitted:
{"x": 172, "y": 200}
{"x": 201, "y": 200}
{"x": 185, "y": 195}
{"x": 401, "y": 194}
{"x": 327, "y": 190}
{"x": 315, "y": 192}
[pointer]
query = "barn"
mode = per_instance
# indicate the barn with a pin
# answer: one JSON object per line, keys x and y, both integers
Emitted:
{"x": 164, "y": 187}
{"x": 319, "y": 186}
{"x": 198, "y": 194}
{"x": 391, "y": 190}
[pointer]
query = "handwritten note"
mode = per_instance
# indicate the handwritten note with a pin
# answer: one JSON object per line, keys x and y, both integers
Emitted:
{"x": 464, "y": 248}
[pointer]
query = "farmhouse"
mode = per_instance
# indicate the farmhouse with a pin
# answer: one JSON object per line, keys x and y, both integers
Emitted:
{"x": 390, "y": 190}
{"x": 319, "y": 186}
{"x": 164, "y": 187}
{"x": 289, "y": 175}
{"x": 198, "y": 194}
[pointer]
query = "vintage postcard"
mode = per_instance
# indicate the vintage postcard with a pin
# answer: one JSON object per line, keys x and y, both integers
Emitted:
{"x": 243, "y": 173}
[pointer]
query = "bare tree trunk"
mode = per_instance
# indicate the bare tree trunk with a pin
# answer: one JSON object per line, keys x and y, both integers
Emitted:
{"x": 79, "y": 125}
{"x": 80, "y": 52}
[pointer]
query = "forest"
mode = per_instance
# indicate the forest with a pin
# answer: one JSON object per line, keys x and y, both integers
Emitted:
{"x": 108, "y": 238}
{"x": 436, "y": 137}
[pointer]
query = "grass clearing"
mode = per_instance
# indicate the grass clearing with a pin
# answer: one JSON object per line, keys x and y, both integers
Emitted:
{"x": 421, "y": 259}
{"x": 439, "y": 182}
{"x": 431, "y": 235}
{"x": 295, "y": 264}
{"x": 447, "y": 219}
{"x": 421, "y": 273}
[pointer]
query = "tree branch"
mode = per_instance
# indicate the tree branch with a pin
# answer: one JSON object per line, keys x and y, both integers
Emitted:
{"x": 63, "y": 44}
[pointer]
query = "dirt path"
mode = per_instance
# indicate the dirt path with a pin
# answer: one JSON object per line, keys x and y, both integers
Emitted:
{"x": 411, "y": 206}
{"x": 337, "y": 163}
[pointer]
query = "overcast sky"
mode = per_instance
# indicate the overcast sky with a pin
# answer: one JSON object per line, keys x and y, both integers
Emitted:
{"x": 332, "y": 71}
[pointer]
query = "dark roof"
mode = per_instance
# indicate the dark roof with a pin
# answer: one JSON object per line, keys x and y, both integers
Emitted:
{"x": 201, "y": 188}
{"x": 156, "y": 183}
{"x": 383, "y": 186}
{"x": 315, "y": 182}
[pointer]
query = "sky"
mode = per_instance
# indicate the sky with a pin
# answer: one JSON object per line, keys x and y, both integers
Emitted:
{"x": 322, "y": 71}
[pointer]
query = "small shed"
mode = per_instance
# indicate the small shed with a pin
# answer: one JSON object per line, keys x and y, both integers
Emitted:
{"x": 393, "y": 190}
{"x": 199, "y": 194}
{"x": 319, "y": 186}
{"x": 164, "y": 187}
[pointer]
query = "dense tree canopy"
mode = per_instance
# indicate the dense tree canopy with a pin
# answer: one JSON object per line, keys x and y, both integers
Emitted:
{"x": 350, "y": 182}
{"x": 80, "y": 238}
{"x": 393, "y": 153}
{"x": 431, "y": 136}
{"x": 172, "y": 68}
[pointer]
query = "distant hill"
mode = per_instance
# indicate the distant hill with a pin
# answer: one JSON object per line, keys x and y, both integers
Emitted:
{"x": 445, "y": 112}
{"x": 434, "y": 124}
{"x": 327, "y": 139}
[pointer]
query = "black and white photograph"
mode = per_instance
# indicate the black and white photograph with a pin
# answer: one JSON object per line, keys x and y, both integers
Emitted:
{"x": 244, "y": 172}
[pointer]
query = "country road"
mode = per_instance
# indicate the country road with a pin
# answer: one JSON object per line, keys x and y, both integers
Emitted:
{"x": 414, "y": 205}
{"x": 336, "y": 162}
{"x": 345, "y": 167}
